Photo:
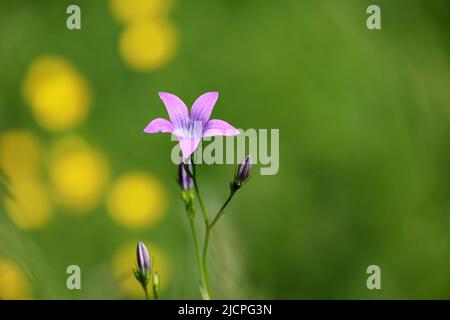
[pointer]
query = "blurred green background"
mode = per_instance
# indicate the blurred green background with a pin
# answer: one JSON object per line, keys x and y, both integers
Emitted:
{"x": 364, "y": 125}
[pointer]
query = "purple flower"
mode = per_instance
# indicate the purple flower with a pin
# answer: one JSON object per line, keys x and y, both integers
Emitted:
{"x": 184, "y": 179}
{"x": 190, "y": 127}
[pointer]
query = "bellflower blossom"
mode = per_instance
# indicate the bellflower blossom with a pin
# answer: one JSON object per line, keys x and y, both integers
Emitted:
{"x": 190, "y": 127}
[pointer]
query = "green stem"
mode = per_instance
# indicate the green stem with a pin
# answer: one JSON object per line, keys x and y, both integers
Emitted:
{"x": 206, "y": 292}
{"x": 207, "y": 235}
{"x": 222, "y": 210}
{"x": 204, "y": 260}
{"x": 146, "y": 292}
{"x": 203, "y": 275}
{"x": 200, "y": 200}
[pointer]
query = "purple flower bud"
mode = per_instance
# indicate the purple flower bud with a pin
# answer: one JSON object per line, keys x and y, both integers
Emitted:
{"x": 184, "y": 179}
{"x": 143, "y": 259}
{"x": 242, "y": 173}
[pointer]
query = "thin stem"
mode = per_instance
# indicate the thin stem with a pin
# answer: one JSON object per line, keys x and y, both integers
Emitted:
{"x": 204, "y": 256}
{"x": 207, "y": 235}
{"x": 200, "y": 200}
{"x": 146, "y": 292}
{"x": 222, "y": 210}
{"x": 206, "y": 292}
{"x": 208, "y": 227}
{"x": 202, "y": 259}
{"x": 199, "y": 257}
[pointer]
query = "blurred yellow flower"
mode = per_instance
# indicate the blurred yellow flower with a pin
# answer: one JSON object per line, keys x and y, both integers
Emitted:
{"x": 127, "y": 11}
{"x": 30, "y": 206}
{"x": 147, "y": 45}
{"x": 137, "y": 200}
{"x": 57, "y": 93}
{"x": 13, "y": 283}
{"x": 19, "y": 153}
{"x": 78, "y": 174}
{"x": 124, "y": 261}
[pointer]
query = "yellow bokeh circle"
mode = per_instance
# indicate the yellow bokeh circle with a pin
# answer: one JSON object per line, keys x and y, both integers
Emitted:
{"x": 147, "y": 45}
{"x": 124, "y": 261}
{"x": 57, "y": 93}
{"x": 13, "y": 283}
{"x": 28, "y": 204}
{"x": 132, "y": 10}
{"x": 137, "y": 200}
{"x": 78, "y": 175}
{"x": 19, "y": 153}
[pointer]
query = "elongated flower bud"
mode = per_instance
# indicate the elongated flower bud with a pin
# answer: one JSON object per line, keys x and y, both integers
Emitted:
{"x": 156, "y": 285}
{"x": 143, "y": 259}
{"x": 143, "y": 271}
{"x": 156, "y": 280}
{"x": 242, "y": 173}
{"x": 184, "y": 179}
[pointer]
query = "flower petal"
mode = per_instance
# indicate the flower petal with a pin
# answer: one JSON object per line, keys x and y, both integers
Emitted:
{"x": 159, "y": 125}
{"x": 217, "y": 127}
{"x": 188, "y": 146}
{"x": 177, "y": 110}
{"x": 203, "y": 106}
